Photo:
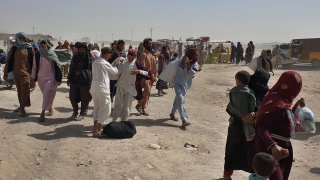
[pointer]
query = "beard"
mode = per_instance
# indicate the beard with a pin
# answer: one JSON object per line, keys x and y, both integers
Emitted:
{"x": 149, "y": 49}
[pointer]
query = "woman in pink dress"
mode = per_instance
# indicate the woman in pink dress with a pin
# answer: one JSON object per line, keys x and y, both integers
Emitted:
{"x": 46, "y": 70}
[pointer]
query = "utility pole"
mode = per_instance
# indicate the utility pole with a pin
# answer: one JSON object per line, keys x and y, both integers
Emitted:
{"x": 112, "y": 36}
{"x": 131, "y": 35}
{"x": 151, "y": 29}
{"x": 33, "y": 31}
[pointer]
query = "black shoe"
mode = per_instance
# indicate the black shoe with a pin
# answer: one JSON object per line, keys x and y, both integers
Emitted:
{"x": 172, "y": 117}
{"x": 139, "y": 109}
{"x": 74, "y": 116}
{"x": 42, "y": 119}
{"x": 185, "y": 124}
{"x": 145, "y": 113}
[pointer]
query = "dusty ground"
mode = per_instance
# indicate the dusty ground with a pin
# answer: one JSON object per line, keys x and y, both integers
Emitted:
{"x": 64, "y": 149}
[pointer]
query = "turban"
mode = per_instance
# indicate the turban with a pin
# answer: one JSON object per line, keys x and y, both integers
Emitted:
{"x": 81, "y": 45}
{"x": 192, "y": 53}
{"x": 132, "y": 52}
{"x": 95, "y": 54}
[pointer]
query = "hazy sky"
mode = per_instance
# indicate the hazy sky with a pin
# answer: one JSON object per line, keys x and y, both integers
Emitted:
{"x": 236, "y": 20}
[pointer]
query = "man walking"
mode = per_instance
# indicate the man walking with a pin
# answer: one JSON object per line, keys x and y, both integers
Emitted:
{"x": 79, "y": 80}
{"x": 148, "y": 61}
{"x": 186, "y": 70}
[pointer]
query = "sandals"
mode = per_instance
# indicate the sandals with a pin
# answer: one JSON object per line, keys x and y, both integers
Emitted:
{"x": 139, "y": 109}
{"x": 96, "y": 134}
{"x": 185, "y": 124}
{"x": 172, "y": 117}
{"x": 50, "y": 113}
{"x": 145, "y": 113}
{"x": 42, "y": 118}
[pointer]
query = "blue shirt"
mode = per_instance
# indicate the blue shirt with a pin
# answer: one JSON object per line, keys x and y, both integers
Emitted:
{"x": 184, "y": 77}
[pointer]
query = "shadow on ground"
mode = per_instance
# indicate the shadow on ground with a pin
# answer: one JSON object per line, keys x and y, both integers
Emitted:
{"x": 10, "y": 114}
{"x": 63, "y": 90}
{"x": 315, "y": 170}
{"x": 63, "y": 109}
{"x": 157, "y": 122}
{"x": 301, "y": 67}
{"x": 74, "y": 130}
{"x": 14, "y": 118}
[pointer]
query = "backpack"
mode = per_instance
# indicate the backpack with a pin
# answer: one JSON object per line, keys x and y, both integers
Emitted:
{"x": 119, "y": 130}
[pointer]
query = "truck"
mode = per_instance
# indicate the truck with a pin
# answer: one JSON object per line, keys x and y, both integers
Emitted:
{"x": 306, "y": 50}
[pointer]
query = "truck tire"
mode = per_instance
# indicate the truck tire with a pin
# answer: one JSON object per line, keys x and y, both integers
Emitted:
{"x": 315, "y": 63}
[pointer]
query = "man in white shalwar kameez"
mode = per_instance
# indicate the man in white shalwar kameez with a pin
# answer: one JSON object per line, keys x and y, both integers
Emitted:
{"x": 126, "y": 90}
{"x": 100, "y": 89}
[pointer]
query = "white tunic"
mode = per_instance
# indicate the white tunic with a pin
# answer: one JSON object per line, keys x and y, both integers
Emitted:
{"x": 101, "y": 70}
{"x": 100, "y": 89}
{"x": 126, "y": 79}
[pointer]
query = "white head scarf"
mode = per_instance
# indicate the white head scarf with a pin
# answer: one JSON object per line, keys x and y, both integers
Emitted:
{"x": 95, "y": 54}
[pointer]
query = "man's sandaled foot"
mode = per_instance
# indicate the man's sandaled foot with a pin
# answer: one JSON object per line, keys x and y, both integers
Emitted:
{"x": 172, "y": 117}
{"x": 145, "y": 113}
{"x": 96, "y": 134}
{"x": 185, "y": 124}
{"x": 139, "y": 109}
{"x": 42, "y": 118}
{"x": 79, "y": 118}
{"x": 74, "y": 116}
{"x": 49, "y": 113}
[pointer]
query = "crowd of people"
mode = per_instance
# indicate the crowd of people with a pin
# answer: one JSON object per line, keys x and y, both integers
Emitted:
{"x": 260, "y": 124}
{"x": 237, "y": 53}
{"x": 261, "y": 120}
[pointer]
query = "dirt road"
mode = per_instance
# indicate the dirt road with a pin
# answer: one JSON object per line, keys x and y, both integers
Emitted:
{"x": 64, "y": 149}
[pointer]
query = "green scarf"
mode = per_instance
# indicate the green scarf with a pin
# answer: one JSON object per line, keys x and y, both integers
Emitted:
{"x": 21, "y": 41}
{"x": 64, "y": 56}
{"x": 50, "y": 55}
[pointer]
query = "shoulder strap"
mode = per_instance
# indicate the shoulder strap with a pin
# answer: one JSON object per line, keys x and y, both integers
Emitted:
{"x": 37, "y": 58}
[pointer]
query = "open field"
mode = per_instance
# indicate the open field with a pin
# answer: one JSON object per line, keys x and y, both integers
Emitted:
{"x": 64, "y": 149}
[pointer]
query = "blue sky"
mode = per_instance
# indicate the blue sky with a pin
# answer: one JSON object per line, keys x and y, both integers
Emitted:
{"x": 236, "y": 20}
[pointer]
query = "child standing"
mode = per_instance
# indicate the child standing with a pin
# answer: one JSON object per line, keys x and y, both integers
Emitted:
{"x": 241, "y": 110}
{"x": 100, "y": 89}
{"x": 126, "y": 89}
{"x": 263, "y": 165}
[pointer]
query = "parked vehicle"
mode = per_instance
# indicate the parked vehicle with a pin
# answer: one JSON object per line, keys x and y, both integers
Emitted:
{"x": 220, "y": 49}
{"x": 306, "y": 50}
{"x": 284, "y": 48}
{"x": 202, "y": 44}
